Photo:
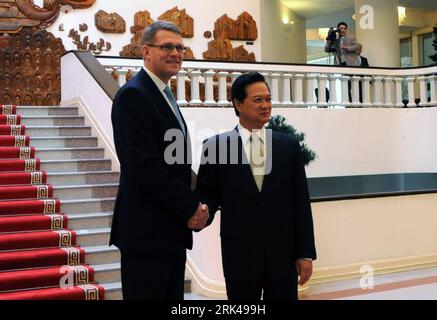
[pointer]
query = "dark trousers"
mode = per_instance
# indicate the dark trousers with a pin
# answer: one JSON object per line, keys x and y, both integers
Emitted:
{"x": 270, "y": 289}
{"x": 146, "y": 276}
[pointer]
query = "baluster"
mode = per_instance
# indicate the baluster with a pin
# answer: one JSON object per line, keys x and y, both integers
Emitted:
{"x": 209, "y": 88}
{"x": 377, "y": 91}
{"x": 333, "y": 97}
{"x": 345, "y": 91}
{"x": 366, "y": 92}
{"x": 180, "y": 83}
{"x": 398, "y": 86}
{"x": 274, "y": 89}
{"x": 356, "y": 91}
{"x": 121, "y": 76}
{"x": 388, "y": 102}
{"x": 235, "y": 75}
{"x": 411, "y": 102}
{"x": 223, "y": 92}
{"x": 423, "y": 98}
{"x": 310, "y": 90}
{"x": 286, "y": 91}
{"x": 433, "y": 87}
{"x": 195, "y": 92}
{"x": 321, "y": 90}
{"x": 298, "y": 90}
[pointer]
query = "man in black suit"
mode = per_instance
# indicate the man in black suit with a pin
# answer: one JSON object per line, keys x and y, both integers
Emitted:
{"x": 257, "y": 178}
{"x": 155, "y": 208}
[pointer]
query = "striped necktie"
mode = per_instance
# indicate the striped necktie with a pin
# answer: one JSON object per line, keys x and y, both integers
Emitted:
{"x": 257, "y": 159}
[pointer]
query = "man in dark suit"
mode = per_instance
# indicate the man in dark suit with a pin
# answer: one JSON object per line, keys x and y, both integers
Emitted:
{"x": 155, "y": 208}
{"x": 364, "y": 63}
{"x": 258, "y": 179}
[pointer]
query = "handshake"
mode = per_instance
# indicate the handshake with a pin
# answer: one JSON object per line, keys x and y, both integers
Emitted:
{"x": 199, "y": 219}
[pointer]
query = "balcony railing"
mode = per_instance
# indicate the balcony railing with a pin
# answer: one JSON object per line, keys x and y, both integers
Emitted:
{"x": 206, "y": 83}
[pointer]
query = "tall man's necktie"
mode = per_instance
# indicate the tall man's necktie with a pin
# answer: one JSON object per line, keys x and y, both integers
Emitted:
{"x": 257, "y": 159}
{"x": 175, "y": 108}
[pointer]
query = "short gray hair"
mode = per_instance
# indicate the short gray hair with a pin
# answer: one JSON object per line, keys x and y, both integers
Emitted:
{"x": 152, "y": 30}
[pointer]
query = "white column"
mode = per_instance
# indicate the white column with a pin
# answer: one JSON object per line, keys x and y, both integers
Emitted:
{"x": 410, "y": 83}
{"x": 235, "y": 75}
{"x": 223, "y": 93}
{"x": 388, "y": 102}
{"x": 356, "y": 91}
{"x": 333, "y": 97}
{"x": 274, "y": 89}
{"x": 321, "y": 89}
{"x": 433, "y": 87}
{"x": 195, "y": 92}
{"x": 180, "y": 83}
{"x": 398, "y": 85}
{"x": 209, "y": 88}
{"x": 286, "y": 91}
{"x": 377, "y": 92}
{"x": 366, "y": 92}
{"x": 423, "y": 98}
{"x": 121, "y": 76}
{"x": 310, "y": 90}
{"x": 377, "y": 29}
{"x": 345, "y": 91}
{"x": 298, "y": 91}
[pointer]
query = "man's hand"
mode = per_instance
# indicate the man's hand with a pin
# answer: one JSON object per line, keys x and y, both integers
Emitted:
{"x": 304, "y": 269}
{"x": 199, "y": 219}
{"x": 344, "y": 47}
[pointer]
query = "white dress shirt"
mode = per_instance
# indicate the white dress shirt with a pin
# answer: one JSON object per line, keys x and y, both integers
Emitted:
{"x": 245, "y": 139}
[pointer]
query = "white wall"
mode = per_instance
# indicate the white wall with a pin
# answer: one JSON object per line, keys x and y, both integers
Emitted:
{"x": 347, "y": 141}
{"x": 204, "y": 13}
{"x": 281, "y": 42}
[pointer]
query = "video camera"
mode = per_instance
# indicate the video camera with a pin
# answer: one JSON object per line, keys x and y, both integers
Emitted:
{"x": 331, "y": 37}
{"x": 332, "y": 34}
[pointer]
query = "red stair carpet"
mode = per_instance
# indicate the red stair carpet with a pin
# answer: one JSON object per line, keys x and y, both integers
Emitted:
{"x": 39, "y": 258}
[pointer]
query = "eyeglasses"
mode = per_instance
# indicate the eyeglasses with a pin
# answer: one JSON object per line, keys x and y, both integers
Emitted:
{"x": 168, "y": 48}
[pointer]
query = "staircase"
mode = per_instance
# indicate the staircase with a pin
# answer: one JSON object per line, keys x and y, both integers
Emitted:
{"x": 57, "y": 194}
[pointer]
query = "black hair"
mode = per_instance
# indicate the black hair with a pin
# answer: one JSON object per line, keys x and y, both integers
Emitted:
{"x": 240, "y": 84}
{"x": 341, "y": 23}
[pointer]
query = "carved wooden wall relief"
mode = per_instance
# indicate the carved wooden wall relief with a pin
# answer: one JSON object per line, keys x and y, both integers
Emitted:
{"x": 219, "y": 49}
{"x": 181, "y": 19}
{"x": 244, "y": 28}
{"x": 109, "y": 22}
{"x": 16, "y": 14}
{"x": 30, "y": 68}
{"x": 142, "y": 20}
{"x": 226, "y": 29}
{"x": 83, "y": 27}
{"x": 85, "y": 44}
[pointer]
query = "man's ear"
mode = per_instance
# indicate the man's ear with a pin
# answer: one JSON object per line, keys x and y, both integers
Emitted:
{"x": 145, "y": 50}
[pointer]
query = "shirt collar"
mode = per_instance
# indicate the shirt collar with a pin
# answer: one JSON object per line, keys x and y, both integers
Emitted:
{"x": 159, "y": 83}
{"x": 245, "y": 133}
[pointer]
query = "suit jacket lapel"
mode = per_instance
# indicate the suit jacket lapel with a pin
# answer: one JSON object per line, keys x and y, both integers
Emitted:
{"x": 270, "y": 159}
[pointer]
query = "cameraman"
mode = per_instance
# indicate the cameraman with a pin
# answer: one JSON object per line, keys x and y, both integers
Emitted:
{"x": 344, "y": 46}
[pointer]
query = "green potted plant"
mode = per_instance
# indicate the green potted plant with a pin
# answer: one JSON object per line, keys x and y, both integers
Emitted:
{"x": 277, "y": 123}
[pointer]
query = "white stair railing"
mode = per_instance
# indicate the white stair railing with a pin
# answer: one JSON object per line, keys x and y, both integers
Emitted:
{"x": 295, "y": 85}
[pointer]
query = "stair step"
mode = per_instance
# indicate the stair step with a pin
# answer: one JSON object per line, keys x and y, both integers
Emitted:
{"x": 82, "y": 178}
{"x": 113, "y": 291}
{"x": 93, "y": 237}
{"x": 107, "y": 273}
{"x": 101, "y": 254}
{"x": 90, "y": 220}
{"x": 69, "y": 153}
{"x": 87, "y": 205}
{"x": 85, "y": 191}
{"x": 52, "y": 131}
{"x": 63, "y": 142}
{"x": 53, "y": 120}
{"x": 78, "y": 165}
{"x": 47, "y": 111}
